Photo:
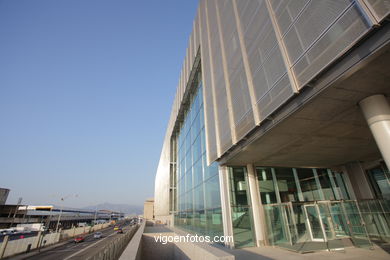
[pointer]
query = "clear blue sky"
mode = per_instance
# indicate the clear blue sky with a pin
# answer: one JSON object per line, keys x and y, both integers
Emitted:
{"x": 86, "y": 88}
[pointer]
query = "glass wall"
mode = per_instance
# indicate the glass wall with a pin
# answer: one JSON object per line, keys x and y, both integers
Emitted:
{"x": 380, "y": 181}
{"x": 240, "y": 205}
{"x": 308, "y": 209}
{"x": 199, "y": 201}
{"x": 278, "y": 185}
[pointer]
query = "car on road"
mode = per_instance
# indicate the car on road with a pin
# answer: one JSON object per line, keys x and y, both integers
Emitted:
{"x": 119, "y": 231}
{"x": 98, "y": 235}
{"x": 78, "y": 239}
{"x": 116, "y": 228}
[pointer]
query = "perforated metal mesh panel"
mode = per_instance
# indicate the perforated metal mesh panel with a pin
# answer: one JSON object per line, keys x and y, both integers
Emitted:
{"x": 287, "y": 11}
{"x": 381, "y": 8}
{"x": 191, "y": 50}
{"x": 241, "y": 101}
{"x": 207, "y": 91}
{"x": 224, "y": 131}
{"x": 197, "y": 33}
{"x": 334, "y": 42}
{"x": 315, "y": 33}
{"x": 264, "y": 56}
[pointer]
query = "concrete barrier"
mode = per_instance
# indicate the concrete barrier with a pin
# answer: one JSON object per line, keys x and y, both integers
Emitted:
{"x": 114, "y": 249}
{"x": 14, "y": 247}
{"x": 133, "y": 249}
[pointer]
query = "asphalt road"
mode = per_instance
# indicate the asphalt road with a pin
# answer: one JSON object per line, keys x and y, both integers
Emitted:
{"x": 82, "y": 250}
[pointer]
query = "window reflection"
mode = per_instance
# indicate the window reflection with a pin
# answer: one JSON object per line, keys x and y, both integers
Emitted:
{"x": 380, "y": 181}
{"x": 242, "y": 221}
{"x": 199, "y": 202}
{"x": 308, "y": 183}
{"x": 279, "y": 184}
{"x": 266, "y": 185}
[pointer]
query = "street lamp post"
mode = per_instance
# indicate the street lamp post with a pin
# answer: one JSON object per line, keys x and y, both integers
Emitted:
{"x": 94, "y": 222}
{"x": 59, "y": 217}
{"x": 62, "y": 206}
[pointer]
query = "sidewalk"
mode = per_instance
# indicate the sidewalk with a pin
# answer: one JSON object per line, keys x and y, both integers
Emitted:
{"x": 268, "y": 253}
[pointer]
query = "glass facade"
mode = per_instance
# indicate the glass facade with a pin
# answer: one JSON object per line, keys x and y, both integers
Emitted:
{"x": 242, "y": 221}
{"x": 198, "y": 200}
{"x": 309, "y": 209}
{"x": 380, "y": 181}
{"x": 279, "y": 185}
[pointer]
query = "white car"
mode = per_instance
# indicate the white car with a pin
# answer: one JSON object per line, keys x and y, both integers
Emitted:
{"x": 98, "y": 235}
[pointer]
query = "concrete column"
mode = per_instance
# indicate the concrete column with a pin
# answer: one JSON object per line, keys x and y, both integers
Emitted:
{"x": 225, "y": 204}
{"x": 376, "y": 110}
{"x": 37, "y": 240}
{"x": 257, "y": 208}
{"x": 3, "y": 246}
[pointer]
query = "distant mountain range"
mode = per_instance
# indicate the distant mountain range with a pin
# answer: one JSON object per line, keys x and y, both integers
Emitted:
{"x": 125, "y": 208}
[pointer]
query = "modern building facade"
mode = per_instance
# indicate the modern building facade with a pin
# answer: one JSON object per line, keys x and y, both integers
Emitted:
{"x": 279, "y": 132}
{"x": 149, "y": 209}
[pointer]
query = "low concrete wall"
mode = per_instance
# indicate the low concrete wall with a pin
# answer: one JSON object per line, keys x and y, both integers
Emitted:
{"x": 114, "y": 249}
{"x": 65, "y": 234}
{"x": 133, "y": 249}
{"x": 69, "y": 233}
{"x": 18, "y": 246}
{"x": 50, "y": 239}
{"x": 14, "y": 247}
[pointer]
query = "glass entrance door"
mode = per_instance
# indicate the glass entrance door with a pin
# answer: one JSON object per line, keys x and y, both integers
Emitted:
{"x": 314, "y": 223}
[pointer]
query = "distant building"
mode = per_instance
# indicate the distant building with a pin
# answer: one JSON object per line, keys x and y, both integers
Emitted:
{"x": 149, "y": 209}
{"x": 279, "y": 130}
{"x": 12, "y": 215}
{"x": 3, "y": 195}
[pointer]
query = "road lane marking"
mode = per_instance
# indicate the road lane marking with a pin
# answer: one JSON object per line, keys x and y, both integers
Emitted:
{"x": 85, "y": 248}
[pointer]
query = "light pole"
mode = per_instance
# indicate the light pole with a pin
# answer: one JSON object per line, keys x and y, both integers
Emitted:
{"x": 94, "y": 222}
{"x": 59, "y": 217}
{"x": 62, "y": 206}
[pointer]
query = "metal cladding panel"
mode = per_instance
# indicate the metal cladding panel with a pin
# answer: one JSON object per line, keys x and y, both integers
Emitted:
{"x": 313, "y": 20}
{"x": 197, "y": 34}
{"x": 381, "y": 8}
{"x": 339, "y": 37}
{"x": 241, "y": 101}
{"x": 188, "y": 66}
{"x": 225, "y": 136}
{"x": 185, "y": 73}
{"x": 183, "y": 86}
{"x": 211, "y": 143}
{"x": 264, "y": 57}
{"x": 178, "y": 95}
{"x": 191, "y": 51}
{"x": 277, "y": 95}
{"x": 176, "y": 99}
{"x": 316, "y": 33}
{"x": 286, "y": 12}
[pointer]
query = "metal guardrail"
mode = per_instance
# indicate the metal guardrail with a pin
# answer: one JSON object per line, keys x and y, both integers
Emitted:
{"x": 114, "y": 249}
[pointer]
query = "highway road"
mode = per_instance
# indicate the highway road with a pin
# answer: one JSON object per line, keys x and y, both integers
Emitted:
{"x": 82, "y": 250}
